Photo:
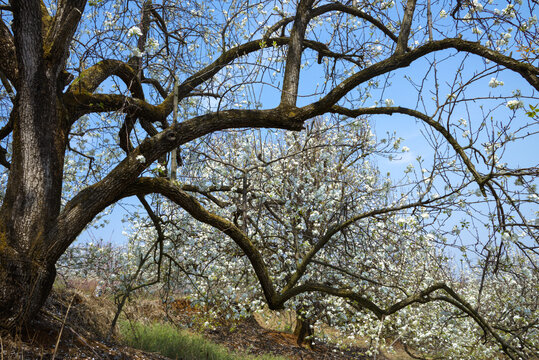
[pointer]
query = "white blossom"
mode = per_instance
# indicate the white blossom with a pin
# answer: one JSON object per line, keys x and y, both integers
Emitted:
{"x": 515, "y": 104}
{"x": 135, "y": 30}
{"x": 141, "y": 159}
{"x": 495, "y": 83}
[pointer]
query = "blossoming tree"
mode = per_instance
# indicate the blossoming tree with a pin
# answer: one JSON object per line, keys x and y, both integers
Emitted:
{"x": 289, "y": 194}
{"x": 310, "y": 215}
{"x": 89, "y": 85}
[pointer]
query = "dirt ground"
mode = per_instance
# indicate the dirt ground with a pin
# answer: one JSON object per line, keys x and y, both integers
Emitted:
{"x": 82, "y": 334}
{"x": 250, "y": 337}
{"x": 87, "y": 325}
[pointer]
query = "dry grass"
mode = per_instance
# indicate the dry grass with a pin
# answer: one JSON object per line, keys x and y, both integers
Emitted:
{"x": 269, "y": 331}
{"x": 285, "y": 321}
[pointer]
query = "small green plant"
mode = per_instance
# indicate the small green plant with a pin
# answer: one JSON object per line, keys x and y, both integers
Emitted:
{"x": 169, "y": 341}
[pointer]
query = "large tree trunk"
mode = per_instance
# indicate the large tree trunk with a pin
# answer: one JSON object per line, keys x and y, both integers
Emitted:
{"x": 25, "y": 285}
{"x": 32, "y": 199}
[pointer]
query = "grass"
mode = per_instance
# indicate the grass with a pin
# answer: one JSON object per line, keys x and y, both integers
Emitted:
{"x": 168, "y": 341}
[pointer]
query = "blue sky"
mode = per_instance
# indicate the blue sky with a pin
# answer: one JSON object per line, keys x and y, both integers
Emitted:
{"x": 403, "y": 94}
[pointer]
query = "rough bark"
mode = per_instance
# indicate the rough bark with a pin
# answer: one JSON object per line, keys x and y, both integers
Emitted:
{"x": 289, "y": 93}
{"x": 32, "y": 199}
{"x": 25, "y": 285}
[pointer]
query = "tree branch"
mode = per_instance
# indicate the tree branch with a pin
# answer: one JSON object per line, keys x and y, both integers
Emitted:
{"x": 8, "y": 60}
{"x": 82, "y": 208}
{"x": 91, "y": 78}
{"x": 527, "y": 71}
{"x": 324, "y": 239}
{"x": 61, "y": 31}
{"x": 421, "y": 297}
{"x": 404, "y": 34}
{"x": 334, "y": 7}
{"x": 173, "y": 192}
{"x": 481, "y": 180}
{"x": 343, "y": 293}
{"x": 289, "y": 91}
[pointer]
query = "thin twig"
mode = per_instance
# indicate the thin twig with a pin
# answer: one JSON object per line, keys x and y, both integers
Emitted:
{"x": 62, "y": 328}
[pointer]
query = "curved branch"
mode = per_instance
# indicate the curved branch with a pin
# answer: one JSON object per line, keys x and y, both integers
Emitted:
{"x": 91, "y": 78}
{"x": 422, "y": 297}
{"x": 226, "y": 58}
{"x": 335, "y": 7}
{"x": 465, "y": 307}
{"x": 87, "y": 83}
{"x": 8, "y": 61}
{"x": 173, "y": 192}
{"x": 7, "y": 85}
{"x": 156, "y": 84}
{"x": 307, "y": 259}
{"x": 355, "y": 12}
{"x": 529, "y": 72}
{"x": 481, "y": 180}
{"x": 82, "y": 208}
{"x": 343, "y": 293}
{"x": 79, "y": 95}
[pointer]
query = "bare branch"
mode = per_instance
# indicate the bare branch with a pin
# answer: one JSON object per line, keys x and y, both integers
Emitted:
{"x": 402, "y": 42}
{"x": 62, "y": 29}
{"x": 481, "y": 180}
{"x": 527, "y": 71}
{"x": 334, "y": 7}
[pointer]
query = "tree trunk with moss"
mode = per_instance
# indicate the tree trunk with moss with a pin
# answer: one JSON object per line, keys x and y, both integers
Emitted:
{"x": 33, "y": 194}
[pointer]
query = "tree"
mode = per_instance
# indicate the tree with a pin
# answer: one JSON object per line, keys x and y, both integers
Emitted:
{"x": 287, "y": 195}
{"x": 223, "y": 55}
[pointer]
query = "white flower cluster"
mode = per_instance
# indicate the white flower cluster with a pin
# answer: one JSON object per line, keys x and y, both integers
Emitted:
{"x": 515, "y": 104}
{"x": 493, "y": 83}
{"x": 135, "y": 30}
{"x": 141, "y": 159}
{"x": 476, "y": 6}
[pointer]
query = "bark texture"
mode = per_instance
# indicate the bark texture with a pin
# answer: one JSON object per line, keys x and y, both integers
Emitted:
{"x": 33, "y": 193}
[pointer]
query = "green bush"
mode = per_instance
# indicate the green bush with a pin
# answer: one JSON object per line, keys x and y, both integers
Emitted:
{"x": 167, "y": 340}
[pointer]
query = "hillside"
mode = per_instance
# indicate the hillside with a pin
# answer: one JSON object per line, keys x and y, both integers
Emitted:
{"x": 86, "y": 328}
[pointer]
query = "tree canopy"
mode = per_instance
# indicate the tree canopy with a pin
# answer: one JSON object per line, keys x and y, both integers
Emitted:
{"x": 88, "y": 99}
